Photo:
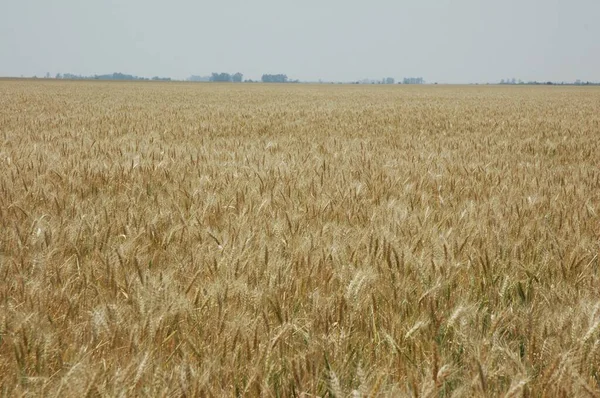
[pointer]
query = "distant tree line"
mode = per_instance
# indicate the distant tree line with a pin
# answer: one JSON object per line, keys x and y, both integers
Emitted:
{"x": 588, "y": 83}
{"x": 413, "y": 80}
{"x": 511, "y": 81}
{"x": 549, "y": 83}
{"x": 385, "y": 80}
{"x": 226, "y": 77}
{"x": 391, "y": 80}
{"x": 280, "y": 78}
{"x": 112, "y": 76}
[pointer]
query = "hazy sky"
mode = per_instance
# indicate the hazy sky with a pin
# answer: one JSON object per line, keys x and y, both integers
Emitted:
{"x": 441, "y": 40}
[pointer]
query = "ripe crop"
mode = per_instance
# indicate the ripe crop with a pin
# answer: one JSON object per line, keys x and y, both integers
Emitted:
{"x": 218, "y": 240}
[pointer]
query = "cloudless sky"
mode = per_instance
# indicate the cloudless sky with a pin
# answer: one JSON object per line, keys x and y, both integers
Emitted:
{"x": 452, "y": 41}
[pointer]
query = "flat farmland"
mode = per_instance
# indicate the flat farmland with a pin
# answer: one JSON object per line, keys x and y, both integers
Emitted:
{"x": 177, "y": 239}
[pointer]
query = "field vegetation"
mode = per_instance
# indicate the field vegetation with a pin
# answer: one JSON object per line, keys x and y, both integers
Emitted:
{"x": 171, "y": 239}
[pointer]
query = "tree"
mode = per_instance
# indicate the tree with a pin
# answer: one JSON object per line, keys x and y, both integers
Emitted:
{"x": 238, "y": 77}
{"x": 413, "y": 80}
{"x": 280, "y": 78}
{"x": 220, "y": 77}
{"x": 389, "y": 80}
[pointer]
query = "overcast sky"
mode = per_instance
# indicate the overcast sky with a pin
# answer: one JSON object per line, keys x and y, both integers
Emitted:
{"x": 453, "y": 41}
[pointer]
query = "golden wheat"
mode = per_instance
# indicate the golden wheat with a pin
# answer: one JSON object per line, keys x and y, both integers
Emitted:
{"x": 296, "y": 240}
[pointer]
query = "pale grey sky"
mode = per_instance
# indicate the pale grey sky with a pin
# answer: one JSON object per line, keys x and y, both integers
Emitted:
{"x": 453, "y": 41}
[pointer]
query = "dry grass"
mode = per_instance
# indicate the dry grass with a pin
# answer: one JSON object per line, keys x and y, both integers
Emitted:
{"x": 214, "y": 240}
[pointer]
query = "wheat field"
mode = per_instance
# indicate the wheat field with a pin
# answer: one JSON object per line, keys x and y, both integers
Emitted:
{"x": 175, "y": 239}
